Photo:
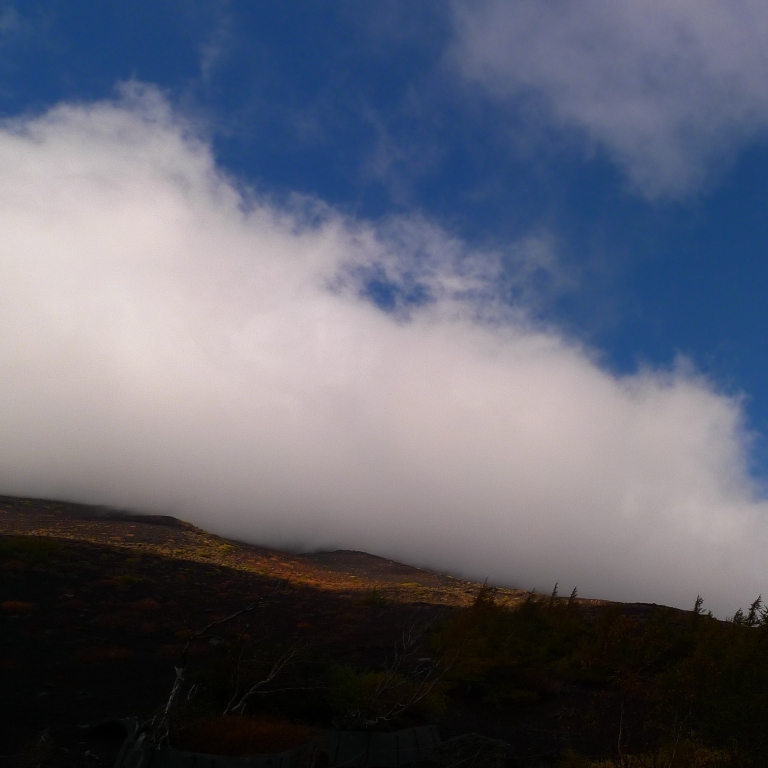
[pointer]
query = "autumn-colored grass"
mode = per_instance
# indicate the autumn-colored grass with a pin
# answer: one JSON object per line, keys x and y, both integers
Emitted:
{"x": 39, "y": 527}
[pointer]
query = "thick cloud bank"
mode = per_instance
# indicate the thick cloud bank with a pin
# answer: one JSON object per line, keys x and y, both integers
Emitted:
{"x": 171, "y": 343}
{"x": 669, "y": 88}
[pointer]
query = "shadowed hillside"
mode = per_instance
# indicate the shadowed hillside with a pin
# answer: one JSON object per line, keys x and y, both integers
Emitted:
{"x": 99, "y": 607}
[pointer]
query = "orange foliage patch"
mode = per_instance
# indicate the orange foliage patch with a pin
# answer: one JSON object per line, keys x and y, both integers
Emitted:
{"x": 16, "y": 606}
{"x": 236, "y": 735}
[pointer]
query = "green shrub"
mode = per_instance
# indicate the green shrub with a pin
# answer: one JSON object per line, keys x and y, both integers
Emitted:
{"x": 373, "y": 599}
{"x": 30, "y": 549}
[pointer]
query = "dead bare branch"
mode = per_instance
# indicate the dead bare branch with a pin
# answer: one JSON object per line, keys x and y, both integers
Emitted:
{"x": 237, "y": 703}
{"x": 161, "y": 728}
{"x": 403, "y": 683}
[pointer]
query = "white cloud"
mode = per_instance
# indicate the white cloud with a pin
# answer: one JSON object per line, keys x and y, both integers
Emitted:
{"x": 218, "y": 44}
{"x": 168, "y": 344}
{"x": 670, "y": 89}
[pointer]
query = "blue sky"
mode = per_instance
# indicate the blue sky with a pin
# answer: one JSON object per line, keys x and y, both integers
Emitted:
{"x": 354, "y": 103}
{"x": 630, "y": 146}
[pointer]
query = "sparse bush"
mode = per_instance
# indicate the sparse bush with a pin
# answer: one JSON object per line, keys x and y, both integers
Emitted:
{"x": 127, "y": 579}
{"x": 368, "y": 699}
{"x": 373, "y": 599}
{"x": 685, "y": 754}
{"x": 30, "y": 549}
{"x": 406, "y": 686}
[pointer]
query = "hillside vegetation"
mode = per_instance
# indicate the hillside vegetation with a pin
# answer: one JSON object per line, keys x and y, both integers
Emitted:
{"x": 101, "y": 610}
